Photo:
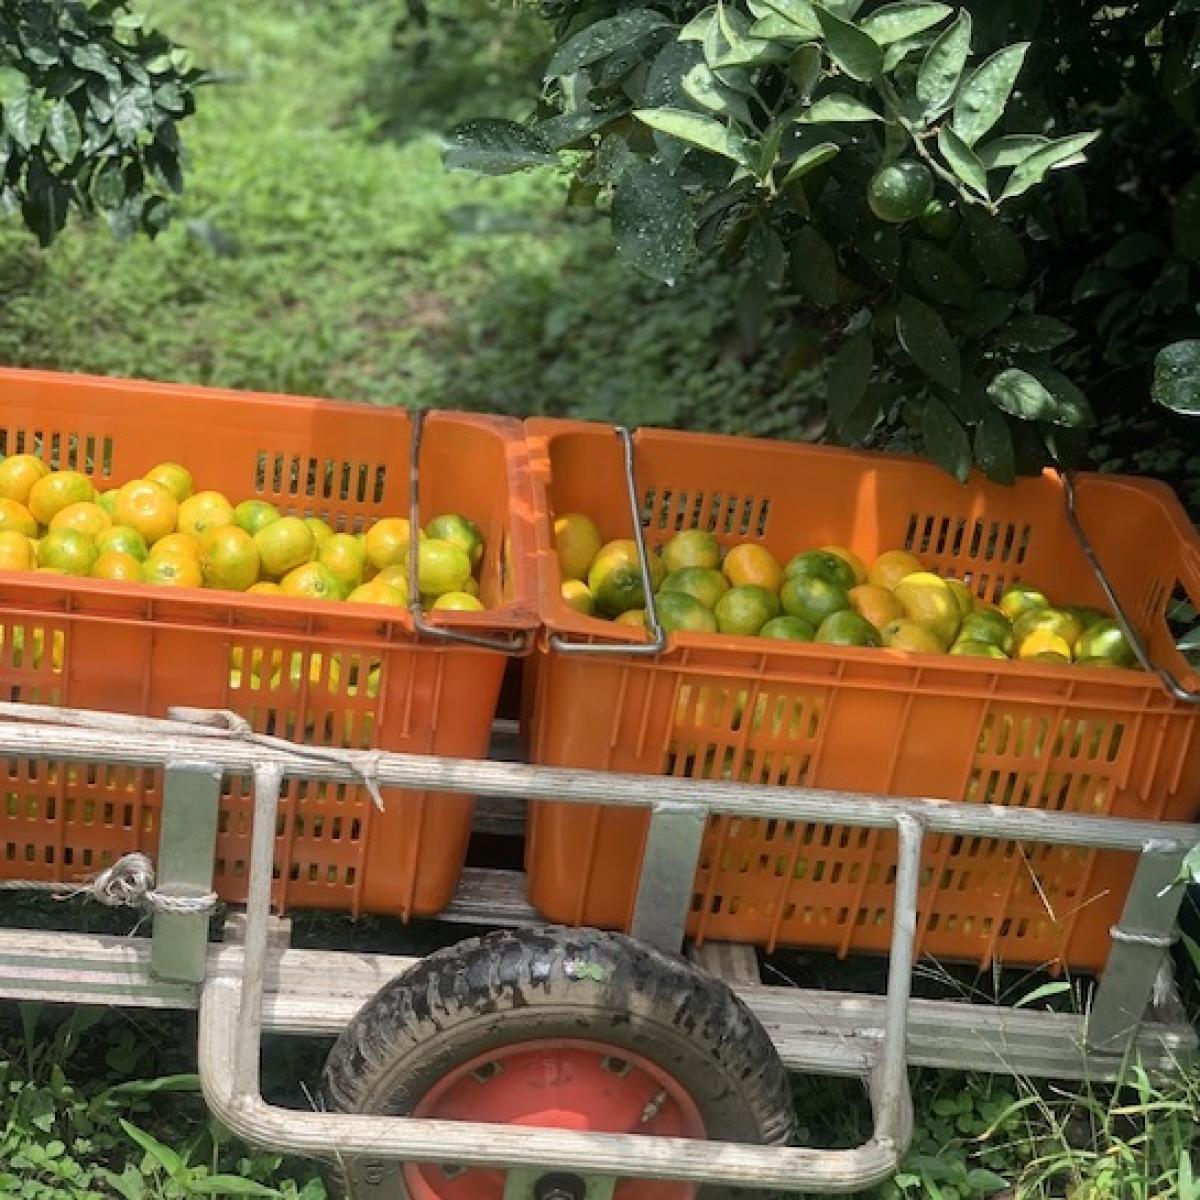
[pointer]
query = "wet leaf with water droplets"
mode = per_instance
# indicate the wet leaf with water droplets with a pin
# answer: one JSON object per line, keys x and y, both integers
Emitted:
{"x": 927, "y": 341}
{"x": 1177, "y": 377}
{"x": 652, "y": 222}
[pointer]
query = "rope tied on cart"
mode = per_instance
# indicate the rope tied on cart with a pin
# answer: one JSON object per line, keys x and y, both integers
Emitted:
{"x": 128, "y": 883}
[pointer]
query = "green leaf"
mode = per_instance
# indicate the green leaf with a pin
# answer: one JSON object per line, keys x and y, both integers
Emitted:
{"x": 62, "y": 131}
{"x": 652, "y": 222}
{"x": 495, "y": 147}
{"x": 163, "y": 1155}
{"x": 1034, "y": 169}
{"x": 1034, "y": 334}
{"x": 1011, "y": 150}
{"x": 946, "y": 441}
{"x": 809, "y": 160}
{"x": 981, "y": 100}
{"x": 230, "y": 1185}
{"x": 93, "y": 59}
{"x": 814, "y": 268}
{"x": 1185, "y": 221}
{"x": 962, "y": 161}
{"x": 703, "y": 86}
{"x": 981, "y": 1180}
{"x": 849, "y": 373}
{"x": 942, "y": 66}
{"x": 14, "y": 86}
{"x": 1055, "y": 988}
{"x": 895, "y": 22}
{"x": 1039, "y": 394}
{"x": 25, "y": 118}
{"x": 838, "y": 106}
{"x": 927, "y": 341}
{"x": 569, "y": 128}
{"x": 796, "y": 18}
{"x": 994, "y": 449}
{"x": 697, "y": 130}
{"x": 1177, "y": 377}
{"x": 859, "y": 55}
{"x": 132, "y": 112}
{"x": 938, "y": 275}
{"x": 602, "y": 38}
{"x": 996, "y": 248}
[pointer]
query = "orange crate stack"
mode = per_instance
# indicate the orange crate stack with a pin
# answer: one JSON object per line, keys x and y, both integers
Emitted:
{"x": 1043, "y": 736}
{"x": 331, "y": 674}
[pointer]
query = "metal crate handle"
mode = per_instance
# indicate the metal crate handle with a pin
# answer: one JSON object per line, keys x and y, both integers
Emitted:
{"x": 515, "y": 643}
{"x": 1141, "y": 653}
{"x": 658, "y": 636}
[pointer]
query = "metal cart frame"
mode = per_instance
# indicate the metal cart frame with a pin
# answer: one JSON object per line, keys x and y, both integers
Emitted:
{"x": 243, "y": 989}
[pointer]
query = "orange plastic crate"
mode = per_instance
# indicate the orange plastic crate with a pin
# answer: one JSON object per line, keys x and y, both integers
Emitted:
{"x": 331, "y": 674}
{"x": 878, "y": 721}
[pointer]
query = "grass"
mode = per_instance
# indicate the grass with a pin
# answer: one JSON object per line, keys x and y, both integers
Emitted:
{"x": 321, "y": 249}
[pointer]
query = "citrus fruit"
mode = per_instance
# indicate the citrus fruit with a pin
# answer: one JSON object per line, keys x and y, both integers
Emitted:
{"x": 1097, "y": 661}
{"x": 691, "y": 548}
{"x": 577, "y": 541}
{"x": 788, "y": 629}
{"x": 108, "y": 501}
{"x": 457, "y": 602}
{"x": 938, "y": 221}
{"x": 822, "y": 565}
{"x": 396, "y": 578}
{"x": 970, "y": 648}
{"x": 322, "y": 531}
{"x": 847, "y": 628}
{"x": 910, "y": 635}
{"x": 18, "y": 474}
{"x": 343, "y": 555}
{"x": 116, "y": 564}
{"x": 615, "y": 577}
{"x": 386, "y": 542}
{"x": 53, "y": 492}
{"x": 1044, "y": 641}
{"x": 121, "y": 539}
{"x": 812, "y": 598}
{"x": 17, "y": 552}
{"x": 1087, "y": 615}
{"x": 745, "y": 609}
{"x": 177, "y": 543}
{"x": 1049, "y": 656}
{"x": 252, "y": 515}
{"x": 891, "y": 567}
{"x": 928, "y": 599}
{"x": 172, "y": 569}
{"x": 228, "y": 559}
{"x": 852, "y": 560}
{"x": 312, "y": 581}
{"x": 68, "y": 550}
{"x": 86, "y": 516}
{"x": 705, "y": 584}
{"x": 1106, "y": 640}
{"x": 264, "y": 588}
{"x": 441, "y": 567}
{"x": 1020, "y": 599}
{"x": 175, "y": 478}
{"x": 1049, "y": 620}
{"x": 752, "y": 565}
{"x": 452, "y": 527}
{"x": 991, "y": 628}
{"x": 204, "y": 511}
{"x": 377, "y": 592}
{"x": 284, "y": 545}
{"x": 900, "y": 191}
{"x": 876, "y": 604}
{"x": 147, "y": 507}
{"x": 16, "y": 518}
{"x": 680, "y": 613}
{"x": 575, "y": 593}
{"x": 633, "y": 616}
{"x": 963, "y": 595}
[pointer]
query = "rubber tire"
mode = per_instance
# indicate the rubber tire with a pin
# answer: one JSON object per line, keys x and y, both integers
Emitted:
{"x": 514, "y": 986}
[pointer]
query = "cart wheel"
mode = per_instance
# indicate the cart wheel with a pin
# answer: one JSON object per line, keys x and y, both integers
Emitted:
{"x": 561, "y": 1028}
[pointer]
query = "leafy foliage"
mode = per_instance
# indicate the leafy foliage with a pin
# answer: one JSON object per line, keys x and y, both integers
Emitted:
{"x": 769, "y": 132}
{"x": 90, "y": 101}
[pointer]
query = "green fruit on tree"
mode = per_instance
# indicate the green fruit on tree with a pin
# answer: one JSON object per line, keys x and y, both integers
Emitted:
{"x": 900, "y": 191}
{"x": 938, "y": 221}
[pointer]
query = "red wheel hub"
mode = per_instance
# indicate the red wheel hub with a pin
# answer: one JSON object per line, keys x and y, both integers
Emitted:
{"x": 560, "y": 1084}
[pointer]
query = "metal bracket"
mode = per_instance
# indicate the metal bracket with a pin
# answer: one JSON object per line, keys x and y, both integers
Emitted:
{"x": 667, "y": 881}
{"x": 1139, "y": 946}
{"x": 187, "y": 842}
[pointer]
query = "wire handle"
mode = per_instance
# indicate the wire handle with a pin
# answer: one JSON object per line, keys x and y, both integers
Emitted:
{"x": 514, "y": 644}
{"x": 658, "y": 637}
{"x": 1131, "y": 634}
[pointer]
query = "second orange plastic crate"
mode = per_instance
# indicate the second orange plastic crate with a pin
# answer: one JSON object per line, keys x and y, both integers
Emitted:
{"x": 876, "y": 721}
{"x": 331, "y": 674}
